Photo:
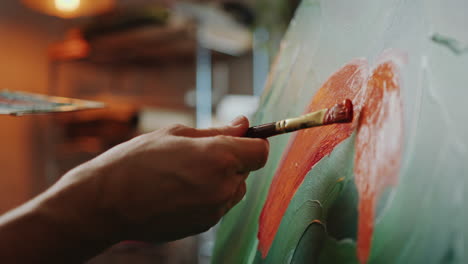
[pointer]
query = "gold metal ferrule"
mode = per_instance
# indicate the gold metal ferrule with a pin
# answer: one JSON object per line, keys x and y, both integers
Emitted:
{"x": 304, "y": 121}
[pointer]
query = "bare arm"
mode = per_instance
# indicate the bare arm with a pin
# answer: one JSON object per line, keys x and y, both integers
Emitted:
{"x": 52, "y": 228}
{"x": 158, "y": 187}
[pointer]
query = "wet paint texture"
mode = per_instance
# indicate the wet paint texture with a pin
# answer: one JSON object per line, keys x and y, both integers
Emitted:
{"x": 389, "y": 218}
{"x": 378, "y": 148}
{"x": 309, "y": 146}
{"x": 300, "y": 236}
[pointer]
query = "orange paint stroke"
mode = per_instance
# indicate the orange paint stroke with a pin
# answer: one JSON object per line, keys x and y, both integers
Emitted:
{"x": 316, "y": 221}
{"x": 309, "y": 146}
{"x": 378, "y": 148}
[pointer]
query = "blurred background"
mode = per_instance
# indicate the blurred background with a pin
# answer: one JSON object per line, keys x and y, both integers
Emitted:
{"x": 153, "y": 62}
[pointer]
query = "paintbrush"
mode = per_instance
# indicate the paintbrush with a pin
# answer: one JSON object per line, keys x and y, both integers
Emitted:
{"x": 339, "y": 113}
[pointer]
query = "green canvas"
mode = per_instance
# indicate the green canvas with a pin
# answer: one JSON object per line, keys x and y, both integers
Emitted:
{"x": 388, "y": 188}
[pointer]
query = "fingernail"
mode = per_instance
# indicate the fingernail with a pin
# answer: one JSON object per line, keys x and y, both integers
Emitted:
{"x": 237, "y": 121}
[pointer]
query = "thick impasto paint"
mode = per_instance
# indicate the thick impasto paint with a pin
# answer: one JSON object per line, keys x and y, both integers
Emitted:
{"x": 309, "y": 146}
{"x": 376, "y": 190}
{"x": 378, "y": 148}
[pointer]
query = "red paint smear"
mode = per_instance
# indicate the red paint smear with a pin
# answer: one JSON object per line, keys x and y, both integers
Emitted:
{"x": 378, "y": 148}
{"x": 309, "y": 146}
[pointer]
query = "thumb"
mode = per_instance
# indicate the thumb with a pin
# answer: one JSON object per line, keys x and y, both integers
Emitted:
{"x": 237, "y": 128}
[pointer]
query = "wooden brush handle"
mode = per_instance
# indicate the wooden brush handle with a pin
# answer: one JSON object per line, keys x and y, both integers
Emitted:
{"x": 262, "y": 131}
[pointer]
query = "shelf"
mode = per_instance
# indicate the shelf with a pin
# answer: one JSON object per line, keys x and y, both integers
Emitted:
{"x": 153, "y": 36}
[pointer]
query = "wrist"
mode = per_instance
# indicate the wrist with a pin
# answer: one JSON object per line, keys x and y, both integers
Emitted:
{"x": 52, "y": 228}
{"x": 77, "y": 199}
{"x": 72, "y": 214}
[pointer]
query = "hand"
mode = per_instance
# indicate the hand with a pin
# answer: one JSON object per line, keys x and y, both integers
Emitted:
{"x": 168, "y": 184}
{"x": 161, "y": 186}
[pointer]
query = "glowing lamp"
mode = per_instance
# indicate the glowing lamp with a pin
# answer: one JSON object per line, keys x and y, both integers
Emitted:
{"x": 70, "y": 8}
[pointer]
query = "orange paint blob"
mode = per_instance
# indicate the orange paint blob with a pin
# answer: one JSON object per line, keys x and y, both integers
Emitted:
{"x": 309, "y": 146}
{"x": 378, "y": 148}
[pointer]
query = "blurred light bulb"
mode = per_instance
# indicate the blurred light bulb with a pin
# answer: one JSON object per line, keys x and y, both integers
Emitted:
{"x": 67, "y": 5}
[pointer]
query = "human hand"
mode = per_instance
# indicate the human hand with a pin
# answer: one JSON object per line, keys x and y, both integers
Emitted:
{"x": 167, "y": 184}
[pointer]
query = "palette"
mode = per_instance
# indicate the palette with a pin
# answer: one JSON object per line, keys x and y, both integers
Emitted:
{"x": 22, "y": 103}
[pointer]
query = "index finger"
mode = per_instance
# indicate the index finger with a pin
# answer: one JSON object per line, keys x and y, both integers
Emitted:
{"x": 251, "y": 153}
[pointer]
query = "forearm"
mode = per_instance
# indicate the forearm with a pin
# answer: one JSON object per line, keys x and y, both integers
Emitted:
{"x": 53, "y": 228}
{"x": 160, "y": 186}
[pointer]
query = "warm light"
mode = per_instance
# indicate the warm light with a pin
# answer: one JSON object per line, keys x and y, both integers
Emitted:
{"x": 67, "y": 5}
{"x": 70, "y": 8}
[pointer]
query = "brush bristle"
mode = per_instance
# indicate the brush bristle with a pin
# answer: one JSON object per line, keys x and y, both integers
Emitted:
{"x": 339, "y": 113}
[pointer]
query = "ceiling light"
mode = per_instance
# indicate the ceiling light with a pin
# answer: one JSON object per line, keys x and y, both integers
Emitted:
{"x": 70, "y": 8}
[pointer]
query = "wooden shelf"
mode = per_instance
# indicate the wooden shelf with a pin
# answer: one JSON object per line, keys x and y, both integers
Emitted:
{"x": 154, "y": 35}
{"x": 145, "y": 46}
{"x": 142, "y": 45}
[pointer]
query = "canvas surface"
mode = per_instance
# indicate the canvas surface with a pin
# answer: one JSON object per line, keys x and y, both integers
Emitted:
{"x": 388, "y": 188}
